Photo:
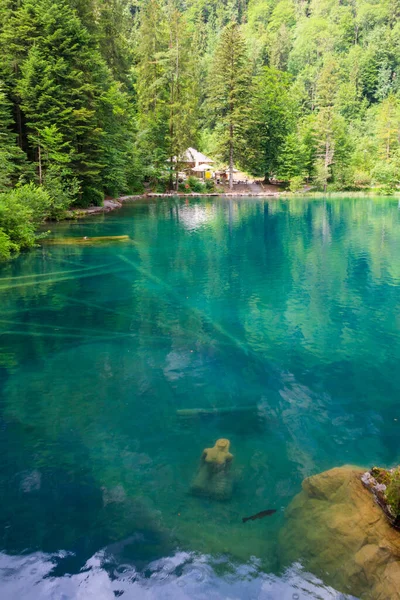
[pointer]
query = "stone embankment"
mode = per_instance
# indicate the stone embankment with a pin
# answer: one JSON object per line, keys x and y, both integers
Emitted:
{"x": 215, "y": 194}
{"x": 108, "y": 206}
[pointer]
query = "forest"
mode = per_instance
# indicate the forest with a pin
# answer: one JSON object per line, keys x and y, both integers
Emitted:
{"x": 102, "y": 98}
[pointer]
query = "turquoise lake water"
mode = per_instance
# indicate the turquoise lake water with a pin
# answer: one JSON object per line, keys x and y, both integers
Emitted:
{"x": 286, "y": 309}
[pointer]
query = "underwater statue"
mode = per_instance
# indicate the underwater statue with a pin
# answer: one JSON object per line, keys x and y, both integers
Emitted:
{"x": 214, "y": 478}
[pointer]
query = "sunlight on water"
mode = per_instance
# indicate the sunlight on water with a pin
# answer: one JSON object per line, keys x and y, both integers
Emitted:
{"x": 277, "y": 318}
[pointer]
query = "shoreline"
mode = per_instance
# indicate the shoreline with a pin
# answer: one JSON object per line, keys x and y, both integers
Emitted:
{"x": 111, "y": 204}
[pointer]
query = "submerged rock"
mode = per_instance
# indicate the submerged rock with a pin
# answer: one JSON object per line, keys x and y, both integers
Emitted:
{"x": 30, "y": 481}
{"x": 338, "y": 532}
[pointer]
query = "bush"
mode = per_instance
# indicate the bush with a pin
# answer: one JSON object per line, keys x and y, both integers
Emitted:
{"x": 361, "y": 179}
{"x": 33, "y": 197}
{"x": 91, "y": 197}
{"x": 62, "y": 192}
{"x": 17, "y": 222}
{"x": 296, "y": 183}
{"x": 196, "y": 185}
{"x": 21, "y": 211}
{"x": 6, "y": 246}
{"x": 386, "y": 173}
{"x": 210, "y": 185}
{"x": 136, "y": 186}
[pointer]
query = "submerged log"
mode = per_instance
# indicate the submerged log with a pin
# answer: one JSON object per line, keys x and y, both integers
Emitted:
{"x": 87, "y": 241}
{"x": 206, "y": 412}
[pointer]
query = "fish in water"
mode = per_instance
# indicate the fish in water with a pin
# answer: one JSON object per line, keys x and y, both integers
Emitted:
{"x": 260, "y": 515}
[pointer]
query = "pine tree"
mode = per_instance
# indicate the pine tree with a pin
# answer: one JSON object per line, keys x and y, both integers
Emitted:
{"x": 182, "y": 89}
{"x": 18, "y": 31}
{"x": 273, "y": 113}
{"x": 387, "y": 130}
{"x": 11, "y": 156}
{"x": 117, "y": 118}
{"x": 327, "y": 87}
{"x": 388, "y": 127}
{"x": 229, "y": 90}
{"x": 167, "y": 89}
{"x": 59, "y": 85}
{"x": 56, "y": 78}
{"x": 152, "y": 91}
{"x": 6, "y": 142}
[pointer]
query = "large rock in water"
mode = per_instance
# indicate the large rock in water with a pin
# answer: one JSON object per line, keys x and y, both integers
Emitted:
{"x": 337, "y": 531}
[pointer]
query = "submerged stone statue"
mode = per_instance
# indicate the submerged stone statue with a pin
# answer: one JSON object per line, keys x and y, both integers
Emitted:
{"x": 214, "y": 477}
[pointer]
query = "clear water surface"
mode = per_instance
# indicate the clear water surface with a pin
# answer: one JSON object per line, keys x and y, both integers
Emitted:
{"x": 289, "y": 308}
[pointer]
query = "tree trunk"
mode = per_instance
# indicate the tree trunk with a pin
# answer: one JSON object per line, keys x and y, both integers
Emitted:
{"x": 171, "y": 173}
{"x": 40, "y": 164}
{"x": 230, "y": 156}
{"x": 19, "y": 126}
{"x": 327, "y": 162}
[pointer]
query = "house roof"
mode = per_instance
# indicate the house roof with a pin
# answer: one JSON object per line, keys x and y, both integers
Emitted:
{"x": 202, "y": 168}
{"x": 193, "y": 155}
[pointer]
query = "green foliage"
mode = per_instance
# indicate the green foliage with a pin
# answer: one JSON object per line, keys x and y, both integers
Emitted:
{"x": 35, "y": 199}
{"x": 21, "y": 211}
{"x": 393, "y": 492}
{"x": 24, "y": 208}
{"x": 7, "y": 247}
{"x": 62, "y": 191}
{"x": 167, "y": 91}
{"x": 11, "y": 156}
{"x": 296, "y": 183}
{"x": 210, "y": 185}
{"x": 195, "y": 185}
{"x": 91, "y": 196}
{"x": 229, "y": 93}
{"x": 387, "y": 174}
{"x": 69, "y": 89}
{"x": 272, "y": 121}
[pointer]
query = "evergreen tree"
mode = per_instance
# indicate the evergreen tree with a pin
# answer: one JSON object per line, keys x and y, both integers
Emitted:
{"x": 152, "y": 90}
{"x": 167, "y": 90}
{"x": 59, "y": 85}
{"x": 182, "y": 89}
{"x": 6, "y": 142}
{"x": 229, "y": 93}
{"x": 273, "y": 113}
{"x": 386, "y": 170}
{"x": 11, "y": 156}
{"x": 325, "y": 121}
{"x": 388, "y": 127}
